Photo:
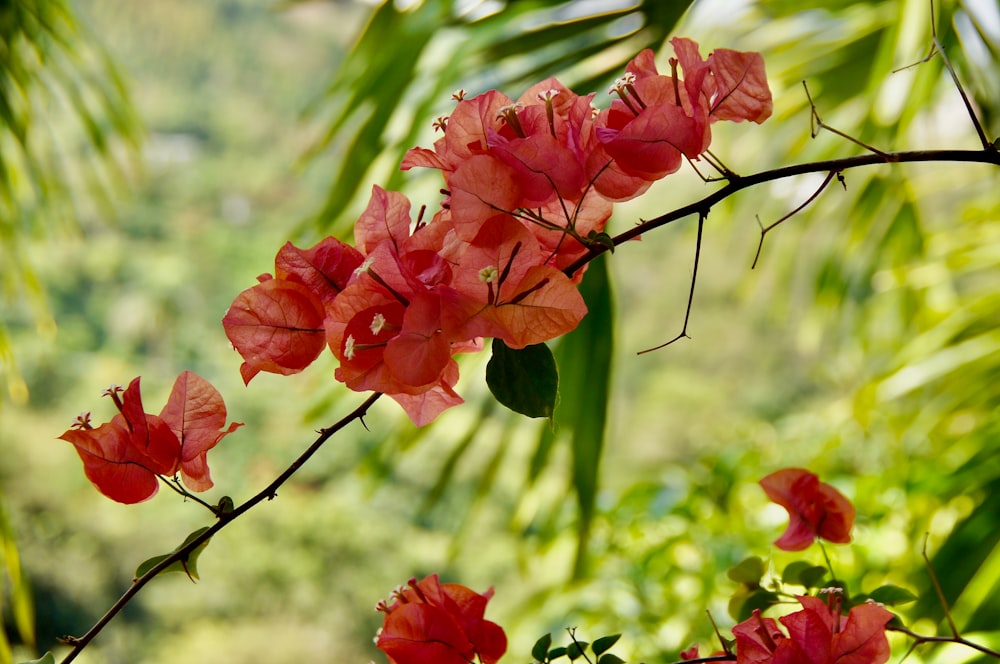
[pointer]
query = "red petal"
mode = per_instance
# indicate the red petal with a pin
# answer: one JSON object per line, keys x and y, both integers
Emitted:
{"x": 741, "y": 91}
{"x": 417, "y": 633}
{"x": 387, "y": 217}
{"x": 324, "y": 268}
{"x": 863, "y": 639}
{"x": 111, "y": 463}
{"x": 196, "y": 414}
{"x": 277, "y": 326}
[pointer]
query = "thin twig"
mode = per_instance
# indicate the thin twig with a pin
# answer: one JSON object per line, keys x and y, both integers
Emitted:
{"x": 694, "y": 277}
{"x": 816, "y": 123}
{"x": 174, "y": 485}
{"x": 79, "y": 643}
{"x": 920, "y": 638}
{"x": 937, "y": 588}
{"x": 965, "y": 98}
{"x": 764, "y": 230}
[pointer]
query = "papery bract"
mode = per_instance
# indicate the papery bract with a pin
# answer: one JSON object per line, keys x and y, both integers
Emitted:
{"x": 123, "y": 457}
{"x": 277, "y": 326}
{"x": 196, "y": 414}
{"x": 815, "y": 509}
{"x": 735, "y": 87}
{"x": 324, "y": 269}
{"x": 433, "y": 623}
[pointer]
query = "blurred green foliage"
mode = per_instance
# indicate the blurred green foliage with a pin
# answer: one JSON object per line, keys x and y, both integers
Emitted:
{"x": 68, "y": 135}
{"x": 863, "y": 347}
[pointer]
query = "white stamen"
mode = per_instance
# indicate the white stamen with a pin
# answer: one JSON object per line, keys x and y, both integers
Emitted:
{"x": 489, "y": 274}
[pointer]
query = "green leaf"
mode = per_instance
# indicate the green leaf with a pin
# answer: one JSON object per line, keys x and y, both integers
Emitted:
{"x": 187, "y": 564}
{"x": 892, "y": 595}
{"x": 47, "y": 658}
{"x": 602, "y": 239}
{"x": 802, "y": 573}
{"x": 576, "y": 649}
{"x": 758, "y": 599}
{"x": 225, "y": 506}
{"x": 608, "y": 658}
{"x": 541, "y": 648}
{"x": 604, "y": 643}
{"x": 748, "y": 571}
{"x": 525, "y": 380}
{"x": 555, "y": 653}
{"x": 585, "y": 359}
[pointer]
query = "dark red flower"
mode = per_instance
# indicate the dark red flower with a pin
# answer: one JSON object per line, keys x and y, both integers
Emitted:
{"x": 814, "y": 509}
{"x": 819, "y": 633}
{"x": 430, "y": 622}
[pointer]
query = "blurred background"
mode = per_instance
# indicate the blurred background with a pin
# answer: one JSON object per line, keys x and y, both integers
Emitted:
{"x": 154, "y": 156}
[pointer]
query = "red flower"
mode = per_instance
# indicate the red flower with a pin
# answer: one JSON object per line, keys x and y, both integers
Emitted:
{"x": 814, "y": 509}
{"x": 439, "y": 623}
{"x": 817, "y": 634}
{"x": 123, "y": 457}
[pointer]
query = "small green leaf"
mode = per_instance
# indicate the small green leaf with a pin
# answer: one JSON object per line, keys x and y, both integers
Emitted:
{"x": 225, "y": 506}
{"x": 759, "y": 599}
{"x": 47, "y": 658}
{"x": 608, "y": 658}
{"x": 576, "y": 649}
{"x": 892, "y": 595}
{"x": 555, "y": 653}
{"x": 802, "y": 573}
{"x": 602, "y": 239}
{"x": 541, "y": 648}
{"x": 793, "y": 572}
{"x": 604, "y": 643}
{"x": 812, "y": 577}
{"x": 525, "y": 380}
{"x": 188, "y": 564}
{"x": 748, "y": 571}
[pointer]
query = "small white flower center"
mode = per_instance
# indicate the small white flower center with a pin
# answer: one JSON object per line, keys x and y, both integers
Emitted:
{"x": 489, "y": 274}
{"x": 349, "y": 347}
{"x": 361, "y": 269}
{"x": 548, "y": 95}
{"x": 378, "y": 322}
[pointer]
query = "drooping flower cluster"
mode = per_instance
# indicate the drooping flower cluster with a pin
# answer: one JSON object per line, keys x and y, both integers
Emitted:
{"x": 529, "y": 187}
{"x": 124, "y": 457}
{"x": 443, "y": 623}
{"x": 819, "y": 633}
{"x": 815, "y": 509}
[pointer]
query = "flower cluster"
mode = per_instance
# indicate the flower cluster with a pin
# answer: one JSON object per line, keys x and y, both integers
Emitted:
{"x": 529, "y": 187}
{"x": 125, "y": 457}
{"x": 819, "y": 633}
{"x": 429, "y": 621}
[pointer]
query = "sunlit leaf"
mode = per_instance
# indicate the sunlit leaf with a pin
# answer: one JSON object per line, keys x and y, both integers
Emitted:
{"x": 892, "y": 595}
{"x": 604, "y": 643}
{"x": 187, "y": 564}
{"x": 748, "y": 571}
{"x": 47, "y": 658}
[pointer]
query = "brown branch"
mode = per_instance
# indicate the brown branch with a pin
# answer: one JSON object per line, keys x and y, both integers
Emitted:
{"x": 703, "y": 206}
{"x": 268, "y": 493}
